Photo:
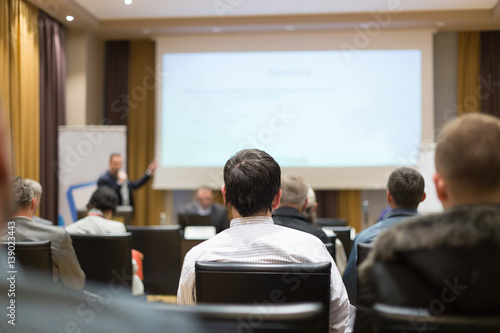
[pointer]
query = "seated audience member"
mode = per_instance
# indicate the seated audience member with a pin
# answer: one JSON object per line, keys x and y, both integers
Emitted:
{"x": 293, "y": 203}
{"x": 467, "y": 182}
{"x": 65, "y": 266}
{"x": 40, "y": 306}
{"x": 405, "y": 191}
{"x": 204, "y": 205}
{"x": 252, "y": 190}
{"x": 101, "y": 207}
{"x": 37, "y": 192}
{"x": 310, "y": 215}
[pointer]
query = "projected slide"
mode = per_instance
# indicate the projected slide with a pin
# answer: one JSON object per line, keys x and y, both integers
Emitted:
{"x": 306, "y": 108}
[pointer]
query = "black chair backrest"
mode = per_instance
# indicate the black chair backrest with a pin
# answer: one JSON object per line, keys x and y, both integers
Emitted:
{"x": 331, "y": 222}
{"x": 344, "y": 235}
{"x": 331, "y": 249}
{"x": 161, "y": 247}
{"x": 363, "y": 250}
{"x": 392, "y": 319}
{"x": 34, "y": 255}
{"x": 237, "y": 283}
{"x": 105, "y": 258}
{"x": 263, "y": 318}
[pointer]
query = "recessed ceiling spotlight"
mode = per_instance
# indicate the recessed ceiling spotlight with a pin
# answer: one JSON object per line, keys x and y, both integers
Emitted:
{"x": 69, "y": 18}
{"x": 216, "y": 29}
{"x": 146, "y": 31}
{"x": 127, "y": 2}
{"x": 289, "y": 27}
{"x": 440, "y": 24}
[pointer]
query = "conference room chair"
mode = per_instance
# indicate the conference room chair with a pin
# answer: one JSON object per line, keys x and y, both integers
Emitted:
{"x": 363, "y": 251}
{"x": 330, "y": 247}
{"x": 345, "y": 235}
{"x": 161, "y": 247}
{"x": 239, "y": 318}
{"x": 106, "y": 260}
{"x": 31, "y": 255}
{"x": 396, "y": 319}
{"x": 239, "y": 283}
{"x": 331, "y": 222}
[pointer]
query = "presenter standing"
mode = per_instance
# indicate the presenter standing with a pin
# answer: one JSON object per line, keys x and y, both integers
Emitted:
{"x": 118, "y": 180}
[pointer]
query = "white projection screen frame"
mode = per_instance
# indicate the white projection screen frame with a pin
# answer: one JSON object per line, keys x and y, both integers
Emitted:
{"x": 372, "y": 177}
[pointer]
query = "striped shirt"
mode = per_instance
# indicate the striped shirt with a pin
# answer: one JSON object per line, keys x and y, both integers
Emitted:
{"x": 258, "y": 240}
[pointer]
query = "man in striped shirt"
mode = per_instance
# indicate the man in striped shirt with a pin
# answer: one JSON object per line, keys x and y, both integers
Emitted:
{"x": 251, "y": 188}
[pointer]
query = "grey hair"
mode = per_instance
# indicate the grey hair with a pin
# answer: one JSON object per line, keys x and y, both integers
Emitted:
{"x": 22, "y": 193}
{"x": 294, "y": 190}
{"x": 35, "y": 186}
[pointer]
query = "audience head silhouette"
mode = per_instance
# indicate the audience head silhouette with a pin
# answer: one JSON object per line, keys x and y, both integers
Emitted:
{"x": 467, "y": 161}
{"x": 23, "y": 197}
{"x": 405, "y": 188}
{"x": 252, "y": 180}
{"x": 295, "y": 191}
{"x": 103, "y": 199}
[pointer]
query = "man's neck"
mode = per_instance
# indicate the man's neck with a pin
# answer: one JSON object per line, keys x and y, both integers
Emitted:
{"x": 24, "y": 213}
{"x": 237, "y": 214}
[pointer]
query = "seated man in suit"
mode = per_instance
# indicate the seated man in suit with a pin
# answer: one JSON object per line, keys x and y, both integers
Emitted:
{"x": 252, "y": 189}
{"x": 293, "y": 202}
{"x": 37, "y": 192}
{"x": 66, "y": 268}
{"x": 101, "y": 207}
{"x": 205, "y": 205}
{"x": 405, "y": 191}
{"x": 118, "y": 180}
{"x": 467, "y": 182}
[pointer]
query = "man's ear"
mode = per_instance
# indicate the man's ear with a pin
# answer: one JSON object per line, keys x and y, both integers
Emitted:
{"x": 389, "y": 198}
{"x": 423, "y": 197}
{"x": 33, "y": 204}
{"x": 276, "y": 200}
{"x": 441, "y": 190}
{"x": 305, "y": 205}
{"x": 223, "y": 190}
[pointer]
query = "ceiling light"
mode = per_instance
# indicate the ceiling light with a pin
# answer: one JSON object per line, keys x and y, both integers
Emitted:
{"x": 146, "y": 31}
{"x": 216, "y": 29}
{"x": 289, "y": 27}
{"x": 127, "y": 2}
{"x": 440, "y": 24}
{"x": 69, "y": 18}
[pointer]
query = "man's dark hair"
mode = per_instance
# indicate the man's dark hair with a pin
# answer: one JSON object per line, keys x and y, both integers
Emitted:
{"x": 406, "y": 186}
{"x": 104, "y": 198}
{"x": 22, "y": 193}
{"x": 252, "y": 179}
{"x": 113, "y": 155}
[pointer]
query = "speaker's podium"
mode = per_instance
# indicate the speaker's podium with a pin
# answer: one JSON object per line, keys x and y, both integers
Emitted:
{"x": 123, "y": 214}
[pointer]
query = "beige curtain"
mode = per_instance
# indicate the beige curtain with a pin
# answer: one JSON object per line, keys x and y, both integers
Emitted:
{"x": 20, "y": 62}
{"x": 469, "y": 51}
{"x": 349, "y": 206}
{"x": 148, "y": 203}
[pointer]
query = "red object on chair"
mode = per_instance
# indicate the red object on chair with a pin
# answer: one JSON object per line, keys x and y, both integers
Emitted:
{"x": 138, "y": 257}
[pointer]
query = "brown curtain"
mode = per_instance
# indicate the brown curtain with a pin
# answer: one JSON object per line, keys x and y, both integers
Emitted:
{"x": 19, "y": 58}
{"x": 468, "y": 100}
{"x": 116, "y": 83}
{"x": 490, "y": 72}
{"x": 350, "y": 208}
{"x": 148, "y": 203}
{"x": 52, "y": 108}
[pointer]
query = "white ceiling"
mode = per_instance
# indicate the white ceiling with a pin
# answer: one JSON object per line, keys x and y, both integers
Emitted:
{"x": 140, "y": 9}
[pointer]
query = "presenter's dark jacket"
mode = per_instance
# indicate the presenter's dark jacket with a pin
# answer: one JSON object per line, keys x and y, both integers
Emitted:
{"x": 291, "y": 218}
{"x": 107, "y": 179}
